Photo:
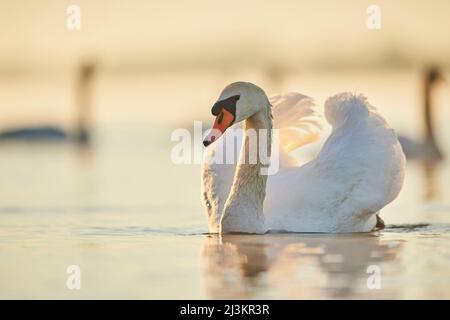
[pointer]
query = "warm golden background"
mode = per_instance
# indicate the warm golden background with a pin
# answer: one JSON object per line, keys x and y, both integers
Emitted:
{"x": 131, "y": 219}
{"x": 164, "y": 49}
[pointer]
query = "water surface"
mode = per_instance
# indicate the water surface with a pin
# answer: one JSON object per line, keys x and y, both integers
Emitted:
{"x": 133, "y": 222}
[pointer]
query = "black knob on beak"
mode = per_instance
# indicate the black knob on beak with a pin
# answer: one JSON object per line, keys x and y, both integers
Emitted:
{"x": 206, "y": 143}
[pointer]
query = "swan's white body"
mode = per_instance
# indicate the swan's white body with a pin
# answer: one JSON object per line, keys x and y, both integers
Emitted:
{"x": 357, "y": 172}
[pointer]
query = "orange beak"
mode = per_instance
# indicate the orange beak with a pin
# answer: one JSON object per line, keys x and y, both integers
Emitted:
{"x": 223, "y": 121}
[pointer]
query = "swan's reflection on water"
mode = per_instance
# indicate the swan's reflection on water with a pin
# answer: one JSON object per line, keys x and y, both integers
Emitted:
{"x": 295, "y": 266}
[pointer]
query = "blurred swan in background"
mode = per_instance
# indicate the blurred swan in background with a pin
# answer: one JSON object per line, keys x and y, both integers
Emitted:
{"x": 54, "y": 133}
{"x": 427, "y": 149}
{"x": 357, "y": 172}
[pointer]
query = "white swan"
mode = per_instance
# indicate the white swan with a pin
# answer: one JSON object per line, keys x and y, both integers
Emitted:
{"x": 358, "y": 171}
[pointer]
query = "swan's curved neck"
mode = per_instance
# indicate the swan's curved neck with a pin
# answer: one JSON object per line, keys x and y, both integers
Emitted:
{"x": 430, "y": 137}
{"x": 243, "y": 210}
{"x": 83, "y": 103}
{"x": 428, "y": 86}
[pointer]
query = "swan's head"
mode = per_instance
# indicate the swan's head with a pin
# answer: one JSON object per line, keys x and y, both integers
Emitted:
{"x": 434, "y": 75}
{"x": 237, "y": 102}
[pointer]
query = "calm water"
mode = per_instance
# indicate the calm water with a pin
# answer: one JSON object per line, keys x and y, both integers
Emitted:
{"x": 133, "y": 222}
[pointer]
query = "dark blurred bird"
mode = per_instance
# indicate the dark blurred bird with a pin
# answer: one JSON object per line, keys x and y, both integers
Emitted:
{"x": 426, "y": 149}
{"x": 83, "y": 102}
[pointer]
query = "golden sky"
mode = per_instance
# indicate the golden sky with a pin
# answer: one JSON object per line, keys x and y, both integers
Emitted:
{"x": 181, "y": 34}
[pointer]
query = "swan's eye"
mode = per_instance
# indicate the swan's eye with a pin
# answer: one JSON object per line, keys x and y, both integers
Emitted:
{"x": 228, "y": 104}
{"x": 219, "y": 121}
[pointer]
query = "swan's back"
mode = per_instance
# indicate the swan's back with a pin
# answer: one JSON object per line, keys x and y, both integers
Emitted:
{"x": 358, "y": 171}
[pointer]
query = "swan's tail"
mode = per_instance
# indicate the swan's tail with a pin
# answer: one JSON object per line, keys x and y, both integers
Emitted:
{"x": 366, "y": 152}
{"x": 296, "y": 119}
{"x": 346, "y": 106}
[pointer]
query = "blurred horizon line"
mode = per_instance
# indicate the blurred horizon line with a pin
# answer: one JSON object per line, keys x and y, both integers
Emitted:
{"x": 221, "y": 61}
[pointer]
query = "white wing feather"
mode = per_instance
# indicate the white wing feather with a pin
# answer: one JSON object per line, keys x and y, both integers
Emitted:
{"x": 357, "y": 172}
